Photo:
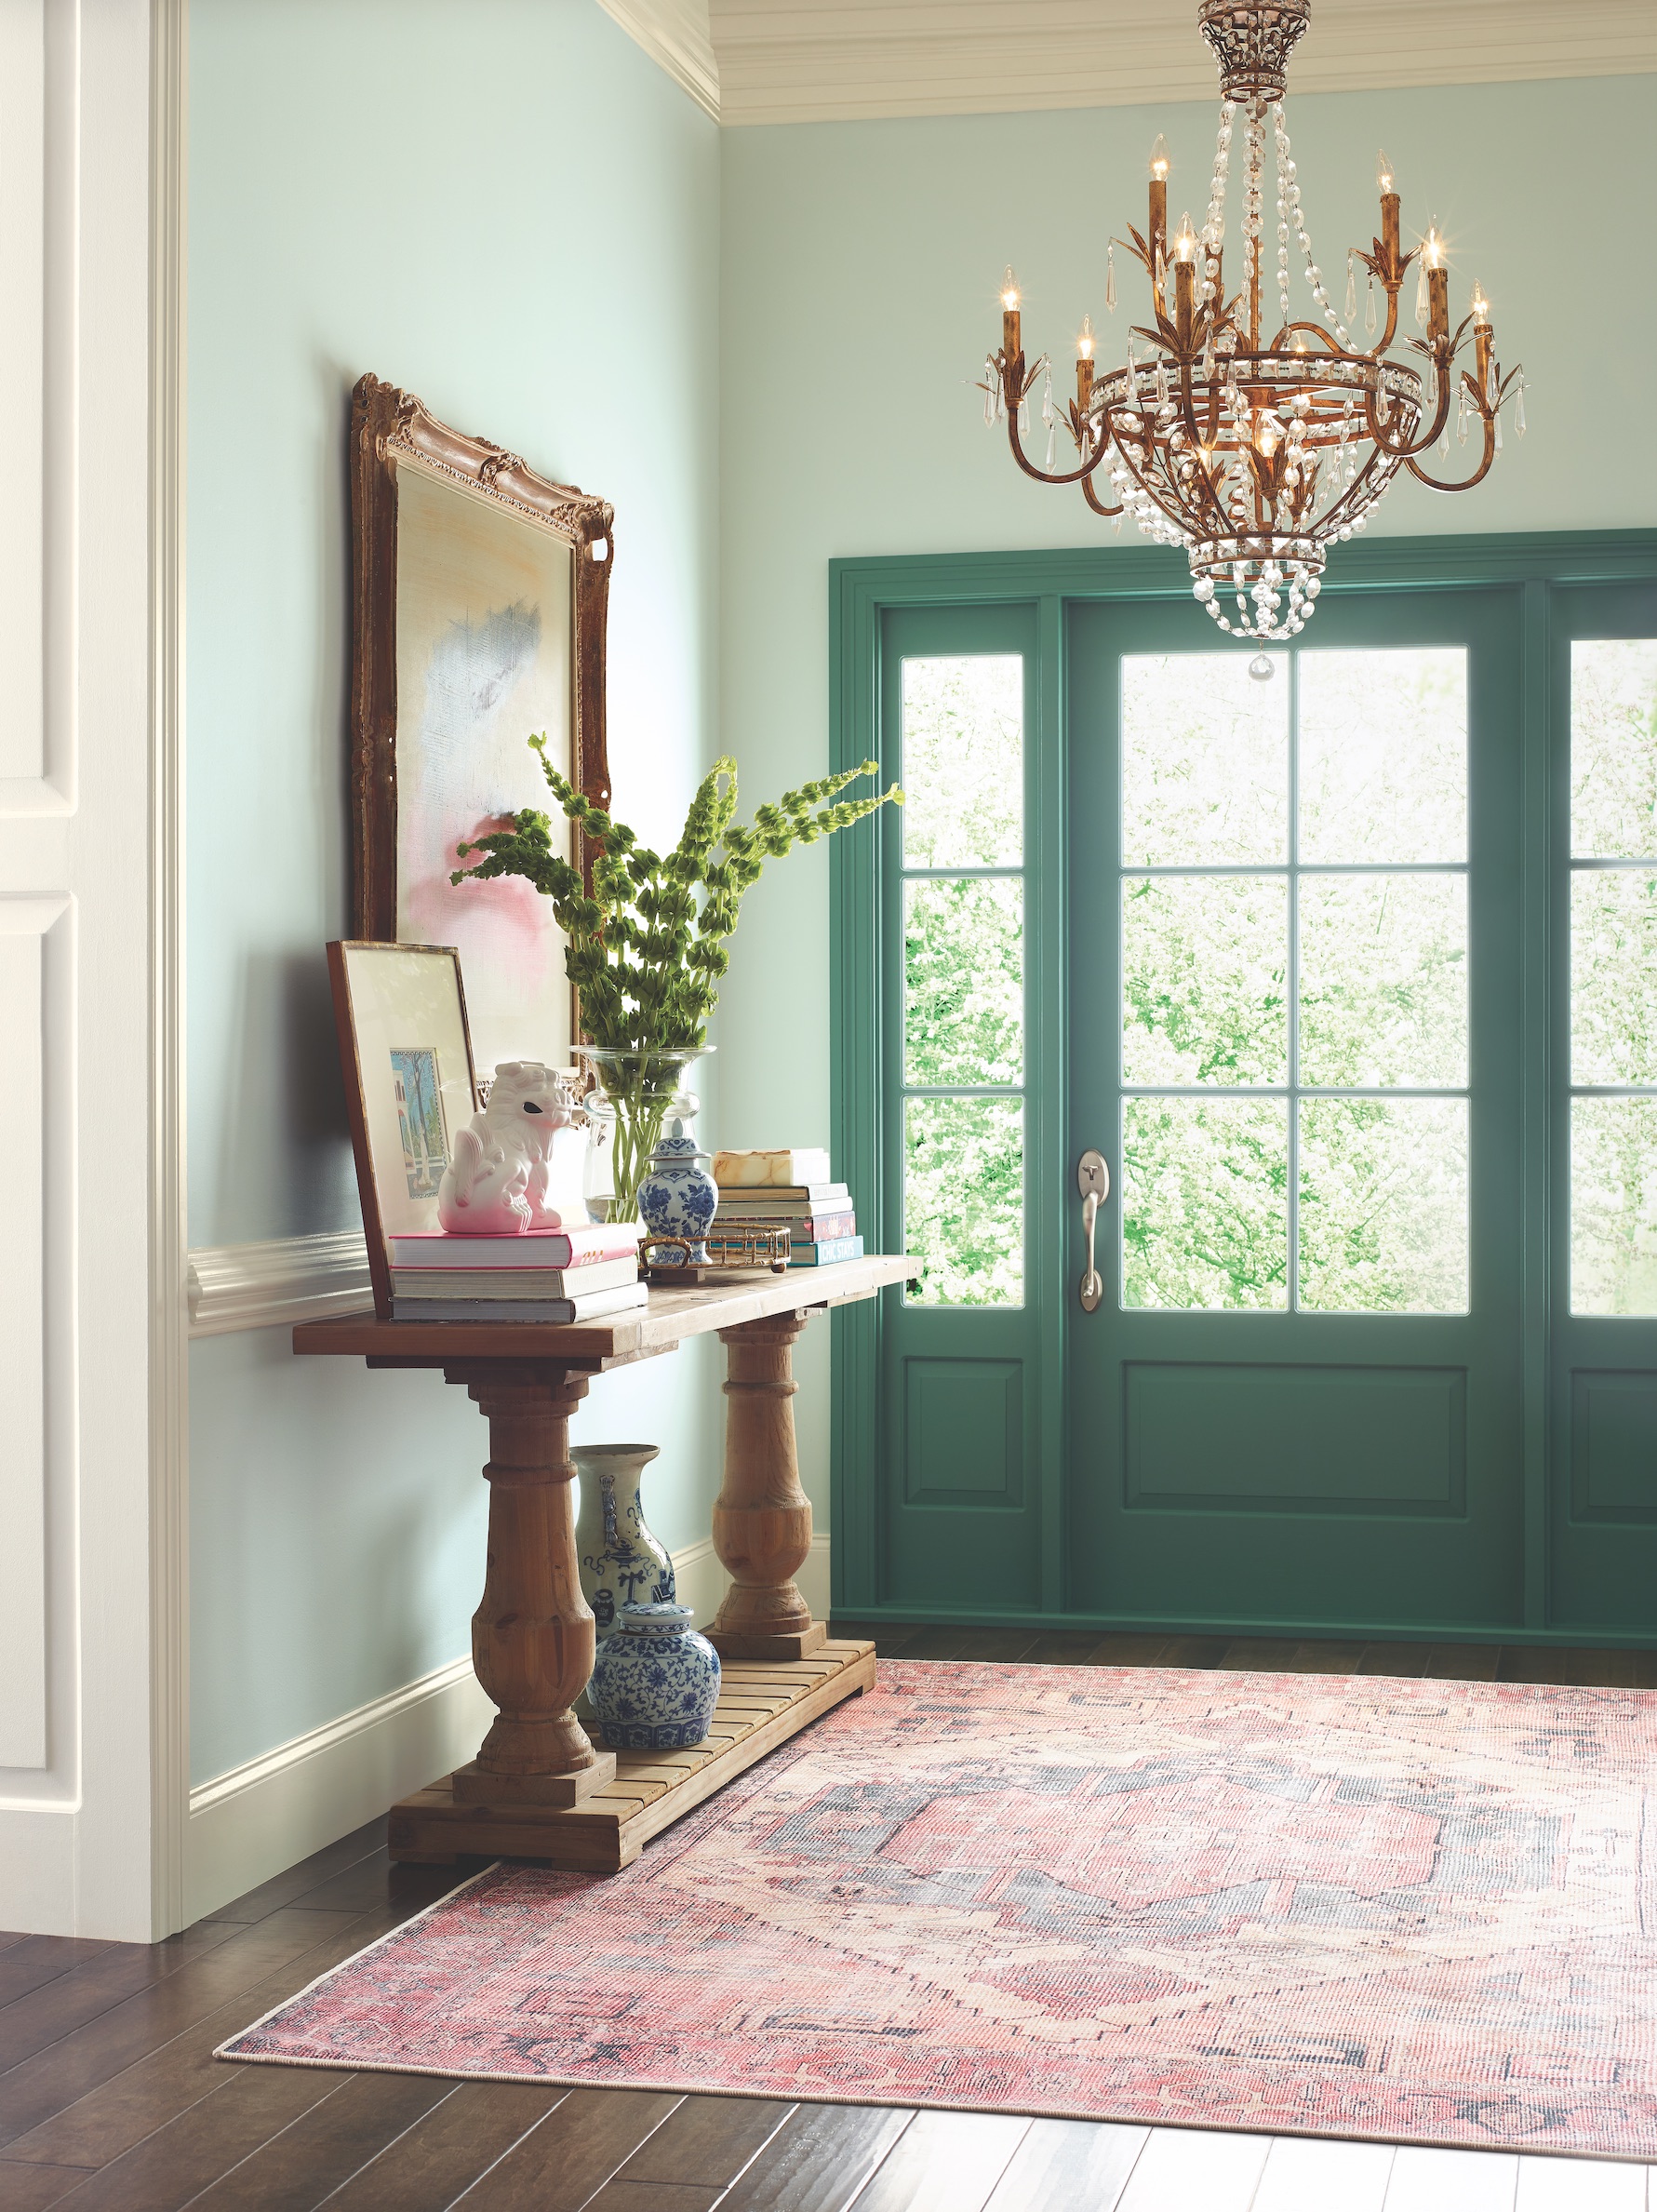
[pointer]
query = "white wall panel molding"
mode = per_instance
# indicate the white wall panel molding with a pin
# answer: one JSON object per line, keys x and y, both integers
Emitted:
{"x": 802, "y": 60}
{"x": 36, "y": 1016}
{"x": 674, "y": 34}
{"x": 248, "y": 1824}
{"x": 39, "y": 151}
{"x": 277, "y": 1282}
{"x": 76, "y": 251}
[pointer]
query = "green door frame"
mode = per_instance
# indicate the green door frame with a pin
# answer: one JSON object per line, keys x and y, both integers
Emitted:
{"x": 1543, "y": 567}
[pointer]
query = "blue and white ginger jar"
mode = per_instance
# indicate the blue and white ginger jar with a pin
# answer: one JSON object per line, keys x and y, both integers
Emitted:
{"x": 678, "y": 1197}
{"x": 655, "y": 1681}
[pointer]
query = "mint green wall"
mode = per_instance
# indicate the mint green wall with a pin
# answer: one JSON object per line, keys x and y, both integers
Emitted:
{"x": 505, "y": 207}
{"x": 860, "y": 266}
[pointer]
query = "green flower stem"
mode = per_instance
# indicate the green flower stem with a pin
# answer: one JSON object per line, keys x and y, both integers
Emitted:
{"x": 647, "y": 946}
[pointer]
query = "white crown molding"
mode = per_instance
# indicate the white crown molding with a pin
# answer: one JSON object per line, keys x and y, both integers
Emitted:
{"x": 674, "y": 34}
{"x": 807, "y": 60}
{"x": 278, "y": 1282}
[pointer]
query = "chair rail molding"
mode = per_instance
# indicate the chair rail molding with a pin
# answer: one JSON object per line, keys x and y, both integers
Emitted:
{"x": 277, "y": 1282}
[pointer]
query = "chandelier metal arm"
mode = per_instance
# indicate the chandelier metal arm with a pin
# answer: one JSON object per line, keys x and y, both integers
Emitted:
{"x": 1094, "y": 501}
{"x": 1016, "y": 387}
{"x": 1487, "y": 415}
{"x": 1443, "y": 355}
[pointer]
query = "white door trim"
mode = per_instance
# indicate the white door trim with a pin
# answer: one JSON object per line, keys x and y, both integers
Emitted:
{"x": 169, "y": 1350}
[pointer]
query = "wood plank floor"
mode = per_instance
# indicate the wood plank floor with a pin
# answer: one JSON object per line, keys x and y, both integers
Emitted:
{"x": 110, "y": 2095}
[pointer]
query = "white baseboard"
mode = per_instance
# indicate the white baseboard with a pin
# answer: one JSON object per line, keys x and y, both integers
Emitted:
{"x": 262, "y": 1817}
{"x": 282, "y": 1281}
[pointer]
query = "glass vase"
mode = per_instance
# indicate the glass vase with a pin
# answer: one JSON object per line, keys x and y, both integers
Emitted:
{"x": 638, "y": 1088}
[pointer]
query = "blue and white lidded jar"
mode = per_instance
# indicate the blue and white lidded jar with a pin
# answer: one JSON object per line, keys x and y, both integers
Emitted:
{"x": 678, "y": 1197}
{"x": 655, "y": 1681}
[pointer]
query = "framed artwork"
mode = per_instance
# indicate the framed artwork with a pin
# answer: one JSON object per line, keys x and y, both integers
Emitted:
{"x": 479, "y": 603}
{"x": 406, "y": 1052}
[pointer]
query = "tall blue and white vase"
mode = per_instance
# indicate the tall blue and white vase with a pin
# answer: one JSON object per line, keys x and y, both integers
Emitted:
{"x": 678, "y": 1197}
{"x": 621, "y": 1564}
{"x": 656, "y": 1682}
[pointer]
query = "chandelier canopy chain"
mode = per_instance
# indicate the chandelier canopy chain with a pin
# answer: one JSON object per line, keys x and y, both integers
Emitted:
{"x": 1255, "y": 454}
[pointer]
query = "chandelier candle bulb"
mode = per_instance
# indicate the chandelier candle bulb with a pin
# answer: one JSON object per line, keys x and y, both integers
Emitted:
{"x": 1158, "y": 233}
{"x": 1084, "y": 363}
{"x": 1011, "y": 344}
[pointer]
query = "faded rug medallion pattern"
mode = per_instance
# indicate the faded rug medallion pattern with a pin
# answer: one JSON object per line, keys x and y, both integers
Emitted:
{"x": 1420, "y": 1911}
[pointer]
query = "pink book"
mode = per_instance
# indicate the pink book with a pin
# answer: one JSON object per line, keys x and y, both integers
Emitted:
{"x": 531, "y": 1248}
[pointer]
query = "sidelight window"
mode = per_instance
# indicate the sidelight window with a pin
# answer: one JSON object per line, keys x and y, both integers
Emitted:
{"x": 1613, "y": 976}
{"x": 963, "y": 1068}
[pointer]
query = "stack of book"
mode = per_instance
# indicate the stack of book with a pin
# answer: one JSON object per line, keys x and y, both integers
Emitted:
{"x": 542, "y": 1275}
{"x": 790, "y": 1190}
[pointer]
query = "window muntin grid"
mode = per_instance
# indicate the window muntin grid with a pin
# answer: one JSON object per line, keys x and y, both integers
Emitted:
{"x": 1333, "y": 796}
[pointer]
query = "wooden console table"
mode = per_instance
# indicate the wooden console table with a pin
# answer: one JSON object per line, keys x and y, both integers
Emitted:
{"x": 537, "y": 1787}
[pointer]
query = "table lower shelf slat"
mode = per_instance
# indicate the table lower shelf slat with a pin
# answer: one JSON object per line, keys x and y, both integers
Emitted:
{"x": 762, "y": 1705}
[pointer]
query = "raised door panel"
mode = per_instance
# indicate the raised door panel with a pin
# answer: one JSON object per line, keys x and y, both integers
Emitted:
{"x": 34, "y": 1179}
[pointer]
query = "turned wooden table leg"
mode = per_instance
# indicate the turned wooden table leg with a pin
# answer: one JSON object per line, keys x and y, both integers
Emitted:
{"x": 761, "y": 1519}
{"x": 532, "y": 1635}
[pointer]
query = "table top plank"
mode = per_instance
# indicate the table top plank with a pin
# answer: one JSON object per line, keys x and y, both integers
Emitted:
{"x": 671, "y": 1316}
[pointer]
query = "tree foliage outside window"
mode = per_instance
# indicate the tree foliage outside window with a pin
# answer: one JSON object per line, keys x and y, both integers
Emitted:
{"x": 1614, "y": 975}
{"x": 1286, "y": 979}
{"x": 963, "y": 736}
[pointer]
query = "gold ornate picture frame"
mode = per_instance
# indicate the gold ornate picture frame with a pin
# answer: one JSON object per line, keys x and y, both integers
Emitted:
{"x": 480, "y": 596}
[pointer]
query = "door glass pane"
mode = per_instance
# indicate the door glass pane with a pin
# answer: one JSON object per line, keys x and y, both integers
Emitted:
{"x": 1384, "y": 1205}
{"x": 964, "y": 979}
{"x": 1384, "y": 981}
{"x": 1384, "y": 755}
{"x": 1205, "y": 761}
{"x": 1205, "y": 1202}
{"x": 1613, "y": 748}
{"x": 964, "y": 761}
{"x": 1614, "y": 975}
{"x": 1205, "y": 979}
{"x": 964, "y": 1199}
{"x": 1613, "y": 1205}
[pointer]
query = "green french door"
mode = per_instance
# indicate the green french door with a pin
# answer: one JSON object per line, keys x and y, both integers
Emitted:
{"x": 1350, "y": 977}
{"x": 1295, "y": 1031}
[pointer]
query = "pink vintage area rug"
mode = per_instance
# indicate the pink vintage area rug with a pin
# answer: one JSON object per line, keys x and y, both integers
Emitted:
{"x": 1420, "y": 1911}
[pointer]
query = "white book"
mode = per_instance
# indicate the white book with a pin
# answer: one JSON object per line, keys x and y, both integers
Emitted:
{"x": 597, "y": 1307}
{"x": 514, "y": 1282}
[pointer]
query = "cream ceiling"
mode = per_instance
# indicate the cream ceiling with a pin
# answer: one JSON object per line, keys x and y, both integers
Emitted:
{"x": 807, "y": 61}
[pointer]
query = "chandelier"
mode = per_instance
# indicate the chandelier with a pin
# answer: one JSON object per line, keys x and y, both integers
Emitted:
{"x": 1256, "y": 453}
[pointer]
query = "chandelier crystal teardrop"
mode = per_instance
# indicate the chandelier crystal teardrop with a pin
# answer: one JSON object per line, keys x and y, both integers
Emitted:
{"x": 1255, "y": 454}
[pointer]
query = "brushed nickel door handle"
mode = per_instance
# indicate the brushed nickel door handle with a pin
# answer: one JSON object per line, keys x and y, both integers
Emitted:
{"x": 1093, "y": 1180}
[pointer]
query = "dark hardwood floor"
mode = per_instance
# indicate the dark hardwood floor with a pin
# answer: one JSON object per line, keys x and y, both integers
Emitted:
{"x": 110, "y": 2095}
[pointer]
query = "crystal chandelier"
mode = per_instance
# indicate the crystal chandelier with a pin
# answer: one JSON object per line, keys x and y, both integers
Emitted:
{"x": 1254, "y": 454}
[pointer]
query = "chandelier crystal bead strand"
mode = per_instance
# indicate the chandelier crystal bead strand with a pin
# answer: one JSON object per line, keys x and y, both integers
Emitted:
{"x": 1254, "y": 454}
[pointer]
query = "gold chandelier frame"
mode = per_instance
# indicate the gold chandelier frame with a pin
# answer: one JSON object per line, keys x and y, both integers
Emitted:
{"x": 1256, "y": 454}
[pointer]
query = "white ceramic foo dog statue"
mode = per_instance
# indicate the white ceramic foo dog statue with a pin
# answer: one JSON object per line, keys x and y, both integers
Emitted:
{"x": 500, "y": 1179}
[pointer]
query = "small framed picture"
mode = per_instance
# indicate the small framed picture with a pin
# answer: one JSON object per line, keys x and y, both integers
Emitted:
{"x": 406, "y": 1050}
